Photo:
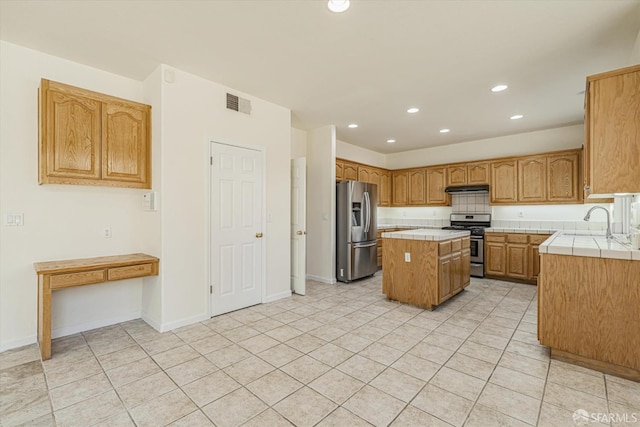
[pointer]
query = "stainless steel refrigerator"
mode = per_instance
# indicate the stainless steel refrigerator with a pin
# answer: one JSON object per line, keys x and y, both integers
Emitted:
{"x": 356, "y": 230}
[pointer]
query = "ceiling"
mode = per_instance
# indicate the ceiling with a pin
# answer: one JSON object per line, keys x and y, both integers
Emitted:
{"x": 364, "y": 66}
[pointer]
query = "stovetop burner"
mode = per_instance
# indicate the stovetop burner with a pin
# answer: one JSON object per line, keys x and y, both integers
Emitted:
{"x": 476, "y": 223}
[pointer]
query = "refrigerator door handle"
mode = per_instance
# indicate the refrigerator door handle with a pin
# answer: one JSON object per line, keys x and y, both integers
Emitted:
{"x": 368, "y": 218}
{"x": 368, "y": 245}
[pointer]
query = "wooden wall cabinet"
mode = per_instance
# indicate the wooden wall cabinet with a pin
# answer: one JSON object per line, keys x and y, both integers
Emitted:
{"x": 612, "y": 132}
{"x": 563, "y": 178}
{"x": 385, "y": 188}
{"x": 400, "y": 188}
{"x": 504, "y": 182}
{"x": 468, "y": 174}
{"x": 339, "y": 170}
{"x": 88, "y": 138}
{"x": 532, "y": 179}
{"x": 436, "y": 183}
{"x": 349, "y": 171}
{"x": 457, "y": 175}
{"x": 417, "y": 187}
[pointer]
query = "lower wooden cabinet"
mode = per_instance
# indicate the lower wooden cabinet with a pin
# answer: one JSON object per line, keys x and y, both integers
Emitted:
{"x": 513, "y": 255}
{"x": 445, "y": 274}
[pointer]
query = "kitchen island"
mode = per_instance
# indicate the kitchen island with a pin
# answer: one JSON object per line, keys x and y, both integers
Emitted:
{"x": 588, "y": 299}
{"x": 425, "y": 267}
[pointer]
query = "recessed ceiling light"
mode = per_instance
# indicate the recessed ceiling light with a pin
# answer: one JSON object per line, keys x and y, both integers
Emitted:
{"x": 391, "y": 141}
{"x": 516, "y": 117}
{"x": 353, "y": 126}
{"x": 445, "y": 130}
{"x": 499, "y": 88}
{"x": 338, "y": 6}
{"x": 413, "y": 110}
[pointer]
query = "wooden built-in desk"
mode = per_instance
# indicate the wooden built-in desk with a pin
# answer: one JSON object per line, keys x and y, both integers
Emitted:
{"x": 54, "y": 275}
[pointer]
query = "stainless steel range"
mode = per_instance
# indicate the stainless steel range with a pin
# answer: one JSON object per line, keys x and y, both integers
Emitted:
{"x": 476, "y": 223}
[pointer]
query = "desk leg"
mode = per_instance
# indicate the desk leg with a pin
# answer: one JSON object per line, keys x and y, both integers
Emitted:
{"x": 44, "y": 316}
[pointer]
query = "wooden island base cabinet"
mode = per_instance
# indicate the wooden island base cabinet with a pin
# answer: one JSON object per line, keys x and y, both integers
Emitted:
{"x": 436, "y": 270}
{"x": 54, "y": 275}
{"x": 588, "y": 312}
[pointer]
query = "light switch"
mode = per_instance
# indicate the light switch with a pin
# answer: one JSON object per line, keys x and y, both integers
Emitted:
{"x": 13, "y": 219}
{"x": 149, "y": 201}
{"x": 407, "y": 257}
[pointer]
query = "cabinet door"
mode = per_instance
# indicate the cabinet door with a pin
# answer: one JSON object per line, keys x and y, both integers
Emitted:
{"x": 457, "y": 175}
{"x": 350, "y": 171}
{"x": 456, "y": 272}
{"x": 478, "y": 173}
{"x": 534, "y": 262}
{"x": 339, "y": 170}
{"x": 613, "y": 147}
{"x": 466, "y": 267}
{"x": 495, "y": 259}
{"x": 374, "y": 178}
{"x": 385, "y": 188}
{"x": 70, "y": 136}
{"x": 504, "y": 185}
{"x": 436, "y": 183}
{"x": 364, "y": 173}
{"x": 417, "y": 181}
{"x": 400, "y": 191}
{"x": 562, "y": 183}
{"x": 517, "y": 260}
{"x": 125, "y": 143}
{"x": 532, "y": 180}
{"x": 444, "y": 277}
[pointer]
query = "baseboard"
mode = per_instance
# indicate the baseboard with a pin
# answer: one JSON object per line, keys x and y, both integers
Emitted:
{"x": 82, "y": 327}
{"x": 329, "y": 281}
{"x": 169, "y": 326}
{"x": 155, "y": 325}
{"x": 18, "y": 343}
{"x": 277, "y": 296}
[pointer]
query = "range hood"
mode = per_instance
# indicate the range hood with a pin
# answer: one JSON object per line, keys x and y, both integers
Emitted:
{"x": 461, "y": 189}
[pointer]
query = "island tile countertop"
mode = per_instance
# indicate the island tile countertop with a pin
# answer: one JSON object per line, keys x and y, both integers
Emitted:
{"x": 427, "y": 234}
{"x": 588, "y": 244}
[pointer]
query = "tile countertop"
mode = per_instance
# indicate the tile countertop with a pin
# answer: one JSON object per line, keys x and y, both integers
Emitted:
{"x": 588, "y": 244}
{"x": 523, "y": 230}
{"x": 427, "y": 234}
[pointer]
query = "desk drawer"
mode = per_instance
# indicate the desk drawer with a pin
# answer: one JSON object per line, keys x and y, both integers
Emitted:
{"x": 77, "y": 279}
{"x": 119, "y": 273}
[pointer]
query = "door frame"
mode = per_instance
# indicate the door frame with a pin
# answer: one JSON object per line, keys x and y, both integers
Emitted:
{"x": 209, "y": 228}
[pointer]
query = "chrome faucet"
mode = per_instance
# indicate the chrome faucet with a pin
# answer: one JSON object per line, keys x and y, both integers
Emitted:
{"x": 588, "y": 215}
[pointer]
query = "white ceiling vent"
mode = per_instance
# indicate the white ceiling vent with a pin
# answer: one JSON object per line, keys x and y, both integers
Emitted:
{"x": 236, "y": 103}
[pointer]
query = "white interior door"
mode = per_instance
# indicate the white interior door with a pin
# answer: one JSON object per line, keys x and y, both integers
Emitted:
{"x": 236, "y": 227}
{"x": 298, "y": 224}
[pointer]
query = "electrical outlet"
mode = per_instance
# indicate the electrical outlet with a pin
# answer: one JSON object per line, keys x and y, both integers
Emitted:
{"x": 521, "y": 214}
{"x": 407, "y": 257}
{"x": 106, "y": 232}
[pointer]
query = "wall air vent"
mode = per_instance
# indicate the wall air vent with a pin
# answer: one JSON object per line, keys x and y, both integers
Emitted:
{"x": 236, "y": 103}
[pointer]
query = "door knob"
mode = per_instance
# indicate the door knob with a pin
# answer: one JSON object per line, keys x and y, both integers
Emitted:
{"x": 299, "y": 232}
{"x": 258, "y": 235}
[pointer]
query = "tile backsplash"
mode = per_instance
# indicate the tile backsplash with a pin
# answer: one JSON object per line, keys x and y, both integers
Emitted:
{"x": 470, "y": 203}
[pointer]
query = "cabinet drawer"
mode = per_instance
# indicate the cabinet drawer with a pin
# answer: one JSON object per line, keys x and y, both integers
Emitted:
{"x": 491, "y": 237}
{"x": 456, "y": 245}
{"x": 77, "y": 279}
{"x": 119, "y": 273}
{"x": 466, "y": 243}
{"x": 536, "y": 239}
{"x": 444, "y": 248}
{"x": 518, "y": 238}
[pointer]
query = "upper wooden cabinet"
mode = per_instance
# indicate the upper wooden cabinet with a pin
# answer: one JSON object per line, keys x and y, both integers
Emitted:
{"x": 339, "y": 170}
{"x": 562, "y": 177}
{"x": 400, "y": 188}
{"x": 385, "y": 188}
{"x": 436, "y": 183}
{"x": 89, "y": 138}
{"x": 417, "y": 187}
{"x": 504, "y": 182}
{"x": 349, "y": 171}
{"x": 468, "y": 174}
{"x": 532, "y": 179}
{"x": 612, "y": 132}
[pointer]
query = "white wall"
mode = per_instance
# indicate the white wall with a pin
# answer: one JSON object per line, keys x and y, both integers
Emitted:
{"x": 321, "y": 204}
{"x": 563, "y": 138}
{"x": 61, "y": 221}
{"x": 194, "y": 113}
{"x": 298, "y": 143}
{"x": 355, "y": 153}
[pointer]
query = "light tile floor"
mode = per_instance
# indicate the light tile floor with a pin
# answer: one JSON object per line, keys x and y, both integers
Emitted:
{"x": 342, "y": 355}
